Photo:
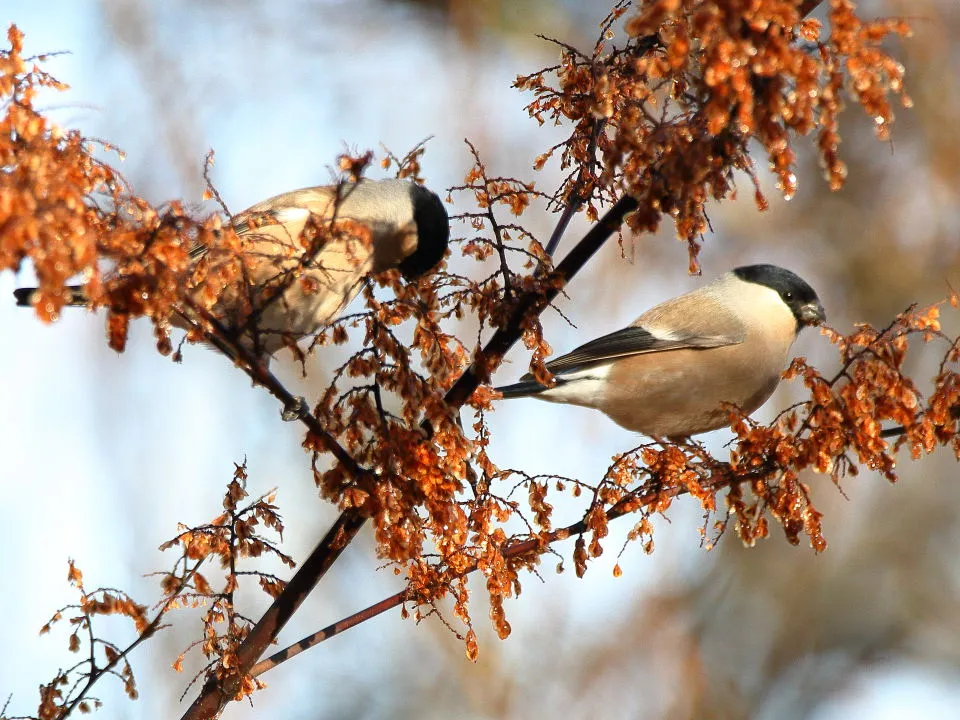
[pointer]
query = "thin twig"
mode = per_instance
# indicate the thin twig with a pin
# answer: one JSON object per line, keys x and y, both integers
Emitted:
{"x": 577, "y": 196}
{"x": 538, "y": 545}
{"x": 122, "y": 656}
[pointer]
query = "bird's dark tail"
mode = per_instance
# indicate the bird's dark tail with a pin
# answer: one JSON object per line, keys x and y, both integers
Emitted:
{"x": 521, "y": 389}
{"x": 26, "y": 296}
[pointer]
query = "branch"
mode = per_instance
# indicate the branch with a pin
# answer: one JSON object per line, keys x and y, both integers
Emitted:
{"x": 536, "y": 546}
{"x": 577, "y": 196}
{"x": 629, "y": 504}
{"x": 218, "y": 336}
{"x": 149, "y": 631}
{"x": 213, "y": 696}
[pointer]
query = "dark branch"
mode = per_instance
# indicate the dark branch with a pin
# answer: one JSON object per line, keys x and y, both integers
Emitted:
{"x": 214, "y": 695}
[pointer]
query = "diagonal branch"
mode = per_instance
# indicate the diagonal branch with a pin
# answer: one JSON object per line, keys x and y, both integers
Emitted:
{"x": 533, "y": 546}
{"x": 215, "y": 333}
{"x": 580, "y": 193}
{"x": 214, "y": 695}
{"x": 629, "y": 504}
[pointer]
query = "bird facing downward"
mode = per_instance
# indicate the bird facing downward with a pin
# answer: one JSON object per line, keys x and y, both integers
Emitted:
{"x": 671, "y": 372}
{"x": 292, "y": 296}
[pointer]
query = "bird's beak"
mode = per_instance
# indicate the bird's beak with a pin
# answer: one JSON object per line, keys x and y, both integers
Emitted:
{"x": 812, "y": 314}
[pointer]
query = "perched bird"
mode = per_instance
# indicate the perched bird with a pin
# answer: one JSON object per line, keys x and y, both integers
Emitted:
{"x": 671, "y": 371}
{"x": 289, "y": 295}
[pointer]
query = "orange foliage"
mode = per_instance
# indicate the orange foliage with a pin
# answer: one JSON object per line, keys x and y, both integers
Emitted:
{"x": 671, "y": 112}
{"x": 665, "y": 117}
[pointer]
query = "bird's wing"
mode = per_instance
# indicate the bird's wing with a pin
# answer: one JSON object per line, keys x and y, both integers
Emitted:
{"x": 637, "y": 340}
{"x": 633, "y": 340}
{"x": 290, "y": 206}
{"x": 693, "y": 321}
{"x": 280, "y": 219}
{"x": 385, "y": 207}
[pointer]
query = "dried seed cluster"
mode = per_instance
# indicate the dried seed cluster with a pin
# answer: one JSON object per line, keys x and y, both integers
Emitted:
{"x": 672, "y": 111}
{"x": 665, "y": 115}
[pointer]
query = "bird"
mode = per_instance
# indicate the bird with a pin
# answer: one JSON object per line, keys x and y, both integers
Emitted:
{"x": 676, "y": 370}
{"x": 293, "y": 296}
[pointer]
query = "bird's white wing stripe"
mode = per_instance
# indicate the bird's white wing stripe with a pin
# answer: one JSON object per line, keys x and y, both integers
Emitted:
{"x": 291, "y": 214}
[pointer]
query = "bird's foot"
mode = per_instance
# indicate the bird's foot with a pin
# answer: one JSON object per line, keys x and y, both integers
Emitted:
{"x": 295, "y": 410}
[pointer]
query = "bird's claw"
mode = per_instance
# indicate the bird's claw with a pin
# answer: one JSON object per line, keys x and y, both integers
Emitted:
{"x": 294, "y": 410}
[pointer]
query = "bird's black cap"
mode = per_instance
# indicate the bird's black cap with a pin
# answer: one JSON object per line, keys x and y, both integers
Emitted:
{"x": 795, "y": 292}
{"x": 433, "y": 233}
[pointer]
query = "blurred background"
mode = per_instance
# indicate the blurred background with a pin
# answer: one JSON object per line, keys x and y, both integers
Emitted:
{"x": 106, "y": 453}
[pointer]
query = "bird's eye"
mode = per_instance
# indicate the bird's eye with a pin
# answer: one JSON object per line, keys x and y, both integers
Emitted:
{"x": 788, "y": 295}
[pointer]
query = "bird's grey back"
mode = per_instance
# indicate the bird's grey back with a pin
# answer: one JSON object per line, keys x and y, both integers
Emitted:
{"x": 699, "y": 313}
